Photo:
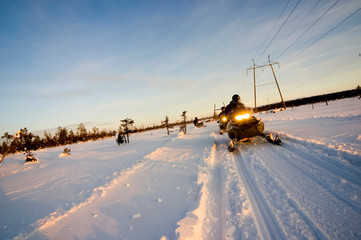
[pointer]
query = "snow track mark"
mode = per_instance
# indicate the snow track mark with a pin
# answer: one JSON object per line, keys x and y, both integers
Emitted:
{"x": 216, "y": 190}
{"x": 300, "y": 174}
{"x": 210, "y": 212}
{"x": 266, "y": 221}
{"x": 335, "y": 167}
{"x": 224, "y": 211}
{"x": 329, "y": 173}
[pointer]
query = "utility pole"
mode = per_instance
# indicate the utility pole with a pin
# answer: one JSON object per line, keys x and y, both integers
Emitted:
{"x": 254, "y": 80}
{"x": 254, "y": 83}
{"x": 274, "y": 75}
{"x": 254, "y": 86}
{"x": 214, "y": 112}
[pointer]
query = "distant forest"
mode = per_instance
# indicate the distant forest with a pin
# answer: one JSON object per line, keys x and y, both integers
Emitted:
{"x": 315, "y": 99}
{"x": 25, "y": 141}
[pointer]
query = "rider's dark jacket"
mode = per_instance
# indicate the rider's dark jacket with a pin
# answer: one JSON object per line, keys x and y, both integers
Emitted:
{"x": 222, "y": 114}
{"x": 233, "y": 108}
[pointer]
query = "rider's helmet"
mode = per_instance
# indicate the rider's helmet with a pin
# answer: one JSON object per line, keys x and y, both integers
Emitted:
{"x": 236, "y": 98}
{"x": 223, "y": 109}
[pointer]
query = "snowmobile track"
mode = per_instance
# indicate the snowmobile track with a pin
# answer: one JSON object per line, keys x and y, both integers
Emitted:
{"x": 300, "y": 160}
{"x": 325, "y": 178}
{"x": 229, "y": 197}
{"x": 267, "y": 222}
{"x": 217, "y": 182}
{"x": 333, "y": 167}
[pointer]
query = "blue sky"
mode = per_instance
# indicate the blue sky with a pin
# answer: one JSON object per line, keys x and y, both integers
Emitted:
{"x": 96, "y": 62}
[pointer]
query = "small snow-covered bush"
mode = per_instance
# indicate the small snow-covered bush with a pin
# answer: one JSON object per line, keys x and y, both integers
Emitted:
{"x": 29, "y": 157}
{"x": 65, "y": 153}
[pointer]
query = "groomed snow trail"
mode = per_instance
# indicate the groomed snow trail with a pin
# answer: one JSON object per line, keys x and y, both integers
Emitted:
{"x": 223, "y": 211}
{"x": 267, "y": 224}
{"x": 300, "y": 192}
{"x": 241, "y": 209}
{"x": 297, "y": 190}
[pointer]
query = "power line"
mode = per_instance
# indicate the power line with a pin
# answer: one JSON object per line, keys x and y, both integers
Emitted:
{"x": 279, "y": 29}
{"x": 324, "y": 35}
{"x": 308, "y": 29}
{"x": 304, "y": 17}
{"x": 350, "y": 61}
{"x": 244, "y": 80}
{"x": 273, "y": 27}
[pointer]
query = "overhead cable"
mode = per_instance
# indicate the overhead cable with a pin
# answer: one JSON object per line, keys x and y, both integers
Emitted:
{"x": 273, "y": 27}
{"x": 308, "y": 29}
{"x": 351, "y": 60}
{"x": 324, "y": 35}
{"x": 279, "y": 29}
{"x": 296, "y": 27}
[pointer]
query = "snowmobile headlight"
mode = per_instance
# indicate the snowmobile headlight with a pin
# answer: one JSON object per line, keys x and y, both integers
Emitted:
{"x": 243, "y": 116}
{"x": 224, "y": 119}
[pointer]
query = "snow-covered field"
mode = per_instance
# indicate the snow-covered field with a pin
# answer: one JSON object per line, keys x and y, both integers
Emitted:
{"x": 191, "y": 187}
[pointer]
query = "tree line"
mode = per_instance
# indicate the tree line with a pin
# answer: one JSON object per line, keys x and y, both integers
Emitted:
{"x": 25, "y": 141}
{"x": 314, "y": 99}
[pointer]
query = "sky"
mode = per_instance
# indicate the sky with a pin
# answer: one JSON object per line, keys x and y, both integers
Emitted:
{"x": 96, "y": 62}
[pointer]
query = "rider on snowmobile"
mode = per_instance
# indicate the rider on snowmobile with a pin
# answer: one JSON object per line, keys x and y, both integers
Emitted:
{"x": 234, "y": 106}
{"x": 198, "y": 123}
{"x": 223, "y": 120}
{"x": 242, "y": 126}
{"x": 222, "y": 113}
{"x": 195, "y": 122}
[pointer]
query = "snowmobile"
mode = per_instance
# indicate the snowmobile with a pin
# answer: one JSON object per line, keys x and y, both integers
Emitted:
{"x": 198, "y": 123}
{"x": 244, "y": 126}
{"x": 222, "y": 124}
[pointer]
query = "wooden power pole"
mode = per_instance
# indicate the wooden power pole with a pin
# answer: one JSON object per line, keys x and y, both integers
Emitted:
{"x": 254, "y": 86}
{"x": 274, "y": 75}
{"x": 254, "y": 81}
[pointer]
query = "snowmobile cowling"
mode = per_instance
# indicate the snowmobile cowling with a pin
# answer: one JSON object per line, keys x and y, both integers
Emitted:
{"x": 245, "y": 127}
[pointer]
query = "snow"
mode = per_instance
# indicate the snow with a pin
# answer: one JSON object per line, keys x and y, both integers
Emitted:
{"x": 190, "y": 187}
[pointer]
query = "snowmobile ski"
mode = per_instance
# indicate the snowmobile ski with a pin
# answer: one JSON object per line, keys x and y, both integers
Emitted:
{"x": 232, "y": 144}
{"x": 274, "y": 140}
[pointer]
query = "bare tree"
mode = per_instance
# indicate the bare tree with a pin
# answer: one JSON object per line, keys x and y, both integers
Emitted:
{"x": 166, "y": 121}
{"x": 126, "y": 124}
{"x": 6, "y": 145}
{"x": 184, "y": 125}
